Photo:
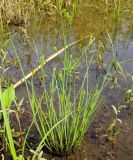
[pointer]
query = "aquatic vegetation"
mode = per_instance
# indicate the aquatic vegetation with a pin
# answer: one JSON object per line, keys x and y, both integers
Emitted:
{"x": 62, "y": 103}
{"x": 6, "y": 99}
{"x": 19, "y": 12}
{"x": 129, "y": 96}
{"x": 117, "y": 7}
{"x": 15, "y": 12}
{"x": 67, "y": 9}
{"x": 60, "y": 99}
{"x": 112, "y": 132}
{"x": 68, "y": 68}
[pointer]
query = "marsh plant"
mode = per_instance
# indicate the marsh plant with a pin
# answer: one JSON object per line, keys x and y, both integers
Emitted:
{"x": 17, "y": 12}
{"x": 66, "y": 106}
{"x": 112, "y": 131}
{"x": 61, "y": 98}
{"x": 117, "y": 7}
{"x": 7, "y": 97}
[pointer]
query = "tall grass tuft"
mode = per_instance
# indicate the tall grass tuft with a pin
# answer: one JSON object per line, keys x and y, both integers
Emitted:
{"x": 64, "y": 109}
{"x": 61, "y": 98}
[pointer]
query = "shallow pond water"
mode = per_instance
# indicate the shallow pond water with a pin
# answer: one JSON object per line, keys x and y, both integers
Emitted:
{"x": 98, "y": 20}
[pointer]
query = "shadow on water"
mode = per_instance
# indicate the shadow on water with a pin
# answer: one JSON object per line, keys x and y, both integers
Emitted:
{"x": 94, "y": 19}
